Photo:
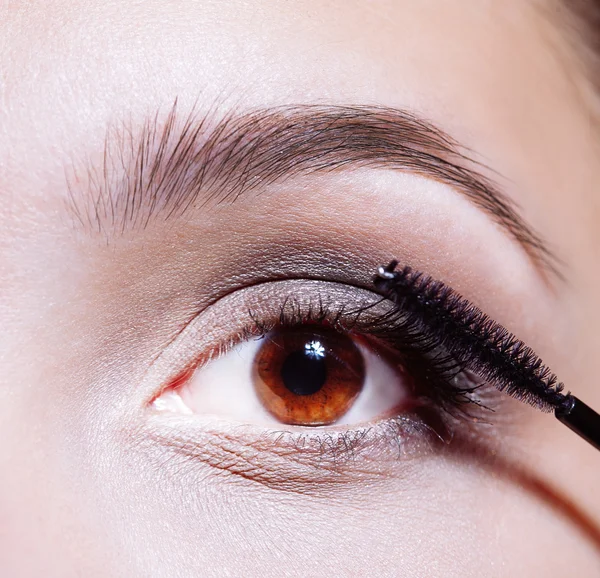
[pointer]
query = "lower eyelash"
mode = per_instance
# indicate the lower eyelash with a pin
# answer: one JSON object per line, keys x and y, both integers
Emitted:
{"x": 291, "y": 459}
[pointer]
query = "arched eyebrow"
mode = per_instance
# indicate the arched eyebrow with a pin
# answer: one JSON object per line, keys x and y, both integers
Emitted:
{"x": 173, "y": 164}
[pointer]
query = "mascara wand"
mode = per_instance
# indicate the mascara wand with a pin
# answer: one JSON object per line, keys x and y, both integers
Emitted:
{"x": 485, "y": 347}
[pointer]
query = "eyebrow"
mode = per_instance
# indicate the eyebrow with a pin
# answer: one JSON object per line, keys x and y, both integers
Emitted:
{"x": 167, "y": 167}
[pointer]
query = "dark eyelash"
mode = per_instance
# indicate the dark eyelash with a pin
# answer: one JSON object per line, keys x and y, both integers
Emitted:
{"x": 440, "y": 381}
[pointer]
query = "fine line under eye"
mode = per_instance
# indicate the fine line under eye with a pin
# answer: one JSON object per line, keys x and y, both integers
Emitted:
{"x": 484, "y": 347}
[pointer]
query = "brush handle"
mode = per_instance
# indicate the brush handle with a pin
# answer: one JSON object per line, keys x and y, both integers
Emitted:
{"x": 581, "y": 418}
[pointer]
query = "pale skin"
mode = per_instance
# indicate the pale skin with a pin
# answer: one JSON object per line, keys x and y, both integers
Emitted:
{"x": 90, "y": 484}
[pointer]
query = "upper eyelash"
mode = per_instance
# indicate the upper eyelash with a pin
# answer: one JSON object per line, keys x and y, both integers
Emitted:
{"x": 449, "y": 387}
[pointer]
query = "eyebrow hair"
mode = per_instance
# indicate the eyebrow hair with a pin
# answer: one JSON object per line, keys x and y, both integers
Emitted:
{"x": 167, "y": 167}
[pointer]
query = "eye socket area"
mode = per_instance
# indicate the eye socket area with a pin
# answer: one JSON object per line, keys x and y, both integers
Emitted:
{"x": 300, "y": 375}
{"x": 202, "y": 390}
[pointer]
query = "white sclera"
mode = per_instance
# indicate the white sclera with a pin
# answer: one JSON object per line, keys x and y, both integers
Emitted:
{"x": 224, "y": 388}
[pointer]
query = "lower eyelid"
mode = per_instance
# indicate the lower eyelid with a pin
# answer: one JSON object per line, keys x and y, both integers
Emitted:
{"x": 292, "y": 460}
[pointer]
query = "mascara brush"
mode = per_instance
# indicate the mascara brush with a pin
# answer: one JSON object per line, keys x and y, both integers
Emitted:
{"x": 484, "y": 347}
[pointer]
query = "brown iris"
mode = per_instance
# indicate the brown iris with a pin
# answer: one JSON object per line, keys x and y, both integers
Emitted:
{"x": 308, "y": 375}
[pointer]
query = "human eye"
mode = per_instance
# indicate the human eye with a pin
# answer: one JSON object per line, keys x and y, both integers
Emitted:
{"x": 322, "y": 369}
{"x": 304, "y": 361}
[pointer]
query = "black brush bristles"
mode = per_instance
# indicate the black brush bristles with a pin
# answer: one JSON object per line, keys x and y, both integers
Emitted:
{"x": 476, "y": 342}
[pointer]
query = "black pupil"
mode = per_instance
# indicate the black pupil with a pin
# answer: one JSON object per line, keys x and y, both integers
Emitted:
{"x": 304, "y": 372}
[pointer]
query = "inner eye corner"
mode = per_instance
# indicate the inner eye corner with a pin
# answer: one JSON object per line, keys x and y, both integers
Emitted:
{"x": 172, "y": 384}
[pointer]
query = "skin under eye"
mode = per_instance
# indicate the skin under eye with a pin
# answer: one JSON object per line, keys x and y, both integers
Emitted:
{"x": 308, "y": 375}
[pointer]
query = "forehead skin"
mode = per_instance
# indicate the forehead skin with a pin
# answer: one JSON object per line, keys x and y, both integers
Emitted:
{"x": 496, "y": 75}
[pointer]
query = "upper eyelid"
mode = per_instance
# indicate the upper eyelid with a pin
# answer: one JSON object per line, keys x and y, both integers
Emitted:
{"x": 171, "y": 165}
{"x": 193, "y": 338}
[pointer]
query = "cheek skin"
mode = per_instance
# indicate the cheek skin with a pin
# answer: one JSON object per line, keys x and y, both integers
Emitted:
{"x": 324, "y": 529}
